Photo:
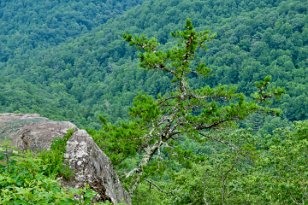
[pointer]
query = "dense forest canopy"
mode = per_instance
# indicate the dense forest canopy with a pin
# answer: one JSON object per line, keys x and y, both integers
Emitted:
{"x": 68, "y": 60}
{"x": 95, "y": 74}
{"x": 26, "y": 24}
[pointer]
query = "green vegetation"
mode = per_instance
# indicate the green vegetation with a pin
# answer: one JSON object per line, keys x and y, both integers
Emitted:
{"x": 33, "y": 178}
{"x": 186, "y": 111}
{"x": 185, "y": 146}
{"x": 23, "y": 182}
{"x": 96, "y": 73}
{"x": 254, "y": 170}
{"x": 26, "y": 25}
{"x": 177, "y": 132}
{"x": 53, "y": 159}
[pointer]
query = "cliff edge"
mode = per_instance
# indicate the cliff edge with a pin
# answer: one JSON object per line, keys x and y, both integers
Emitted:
{"x": 88, "y": 162}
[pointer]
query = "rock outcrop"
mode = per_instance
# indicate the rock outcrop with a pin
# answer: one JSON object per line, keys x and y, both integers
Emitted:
{"x": 90, "y": 165}
{"x": 31, "y": 131}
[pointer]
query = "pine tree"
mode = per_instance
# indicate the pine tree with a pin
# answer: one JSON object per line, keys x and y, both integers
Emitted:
{"x": 186, "y": 110}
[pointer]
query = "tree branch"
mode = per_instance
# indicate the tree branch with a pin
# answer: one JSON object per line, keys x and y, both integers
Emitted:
{"x": 157, "y": 187}
{"x": 164, "y": 68}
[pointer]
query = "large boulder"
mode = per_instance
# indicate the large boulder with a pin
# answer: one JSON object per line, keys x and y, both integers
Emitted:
{"x": 91, "y": 166}
{"x": 10, "y": 124}
{"x": 88, "y": 162}
{"x": 31, "y": 131}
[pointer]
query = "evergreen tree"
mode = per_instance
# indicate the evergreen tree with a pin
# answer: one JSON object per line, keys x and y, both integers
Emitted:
{"x": 186, "y": 111}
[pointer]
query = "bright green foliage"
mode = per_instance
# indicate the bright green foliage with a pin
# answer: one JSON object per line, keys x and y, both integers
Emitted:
{"x": 81, "y": 78}
{"x": 145, "y": 107}
{"x": 53, "y": 159}
{"x": 24, "y": 180}
{"x": 199, "y": 107}
{"x": 34, "y": 178}
{"x": 237, "y": 168}
{"x": 220, "y": 159}
{"x": 119, "y": 141}
{"x": 280, "y": 174}
{"x": 262, "y": 95}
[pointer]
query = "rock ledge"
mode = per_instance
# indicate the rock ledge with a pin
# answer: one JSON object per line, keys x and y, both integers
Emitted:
{"x": 89, "y": 163}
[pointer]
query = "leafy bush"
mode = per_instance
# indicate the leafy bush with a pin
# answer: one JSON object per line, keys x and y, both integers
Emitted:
{"x": 24, "y": 181}
{"x": 53, "y": 160}
{"x": 32, "y": 178}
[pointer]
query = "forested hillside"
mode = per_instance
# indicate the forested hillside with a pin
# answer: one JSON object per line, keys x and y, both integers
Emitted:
{"x": 194, "y": 101}
{"x": 27, "y": 24}
{"x": 95, "y": 74}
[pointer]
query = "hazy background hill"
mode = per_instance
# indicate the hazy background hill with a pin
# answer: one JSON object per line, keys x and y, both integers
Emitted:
{"x": 96, "y": 73}
{"x": 27, "y": 24}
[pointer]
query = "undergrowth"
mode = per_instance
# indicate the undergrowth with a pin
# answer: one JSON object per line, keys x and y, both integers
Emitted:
{"x": 32, "y": 178}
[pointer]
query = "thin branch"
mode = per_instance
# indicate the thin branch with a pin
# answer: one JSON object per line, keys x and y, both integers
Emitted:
{"x": 157, "y": 187}
{"x": 215, "y": 124}
{"x": 207, "y": 126}
{"x": 164, "y": 68}
{"x": 161, "y": 102}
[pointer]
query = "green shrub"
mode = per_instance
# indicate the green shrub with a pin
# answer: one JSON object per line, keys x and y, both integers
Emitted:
{"x": 53, "y": 160}
{"x": 31, "y": 178}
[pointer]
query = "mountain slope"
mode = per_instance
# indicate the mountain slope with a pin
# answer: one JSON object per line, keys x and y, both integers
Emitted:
{"x": 97, "y": 73}
{"x": 27, "y": 24}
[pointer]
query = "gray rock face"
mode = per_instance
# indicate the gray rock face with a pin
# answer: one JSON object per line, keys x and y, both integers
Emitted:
{"x": 90, "y": 165}
{"x": 10, "y": 124}
{"x": 32, "y": 131}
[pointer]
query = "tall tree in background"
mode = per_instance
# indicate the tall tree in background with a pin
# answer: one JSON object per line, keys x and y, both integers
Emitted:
{"x": 186, "y": 110}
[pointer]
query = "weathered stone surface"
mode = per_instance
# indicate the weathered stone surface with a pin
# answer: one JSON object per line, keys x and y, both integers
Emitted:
{"x": 32, "y": 131}
{"x": 91, "y": 166}
{"x": 10, "y": 124}
{"x": 41, "y": 134}
{"x": 89, "y": 163}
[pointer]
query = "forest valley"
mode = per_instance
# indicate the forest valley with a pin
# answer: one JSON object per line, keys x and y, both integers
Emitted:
{"x": 214, "y": 113}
